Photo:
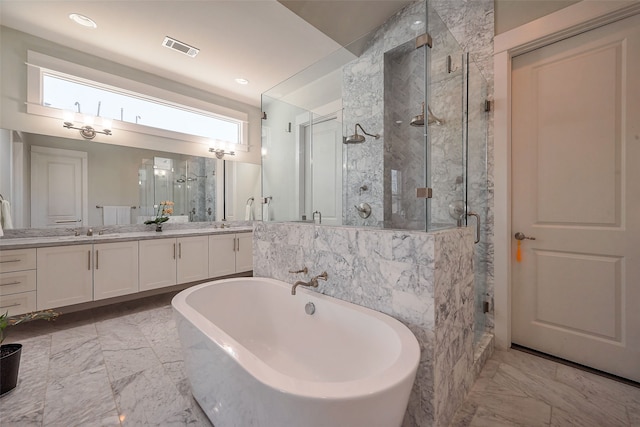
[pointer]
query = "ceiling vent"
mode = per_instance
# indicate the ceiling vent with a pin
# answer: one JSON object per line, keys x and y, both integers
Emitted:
{"x": 180, "y": 47}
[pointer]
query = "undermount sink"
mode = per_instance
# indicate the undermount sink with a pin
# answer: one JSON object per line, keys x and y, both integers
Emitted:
{"x": 72, "y": 237}
{"x": 85, "y": 237}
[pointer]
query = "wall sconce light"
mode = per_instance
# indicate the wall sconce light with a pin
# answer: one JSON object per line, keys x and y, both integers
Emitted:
{"x": 88, "y": 131}
{"x": 220, "y": 152}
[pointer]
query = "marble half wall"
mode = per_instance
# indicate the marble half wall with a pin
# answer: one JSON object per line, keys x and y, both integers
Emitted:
{"x": 425, "y": 280}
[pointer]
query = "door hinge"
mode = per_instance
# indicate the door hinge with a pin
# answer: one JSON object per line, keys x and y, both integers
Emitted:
{"x": 424, "y": 193}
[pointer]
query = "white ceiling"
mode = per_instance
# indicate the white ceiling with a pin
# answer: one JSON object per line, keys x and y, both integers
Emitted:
{"x": 260, "y": 40}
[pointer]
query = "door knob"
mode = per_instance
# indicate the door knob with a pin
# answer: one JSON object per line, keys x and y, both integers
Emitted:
{"x": 521, "y": 236}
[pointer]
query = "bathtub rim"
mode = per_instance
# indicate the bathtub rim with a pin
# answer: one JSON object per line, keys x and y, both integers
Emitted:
{"x": 404, "y": 367}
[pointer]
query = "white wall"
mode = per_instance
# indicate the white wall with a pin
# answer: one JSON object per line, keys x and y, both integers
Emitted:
{"x": 5, "y": 163}
{"x": 510, "y": 14}
{"x": 13, "y": 90}
{"x": 243, "y": 181}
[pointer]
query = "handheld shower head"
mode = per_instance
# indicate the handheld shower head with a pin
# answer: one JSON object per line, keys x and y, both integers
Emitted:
{"x": 356, "y": 138}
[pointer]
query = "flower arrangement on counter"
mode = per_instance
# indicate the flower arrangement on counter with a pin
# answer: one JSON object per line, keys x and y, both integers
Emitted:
{"x": 165, "y": 209}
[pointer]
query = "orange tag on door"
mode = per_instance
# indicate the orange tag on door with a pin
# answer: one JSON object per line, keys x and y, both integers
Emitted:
{"x": 518, "y": 252}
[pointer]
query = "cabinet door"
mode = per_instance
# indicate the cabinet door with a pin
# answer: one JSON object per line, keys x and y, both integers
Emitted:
{"x": 244, "y": 252}
{"x": 115, "y": 269}
{"x": 157, "y": 263}
{"x": 193, "y": 258}
{"x": 222, "y": 256}
{"x": 65, "y": 276}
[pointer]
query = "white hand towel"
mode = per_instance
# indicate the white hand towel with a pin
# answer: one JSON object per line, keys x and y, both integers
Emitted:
{"x": 247, "y": 213}
{"x": 109, "y": 215}
{"x": 5, "y": 215}
{"x": 1, "y": 232}
{"x": 265, "y": 211}
{"x": 123, "y": 215}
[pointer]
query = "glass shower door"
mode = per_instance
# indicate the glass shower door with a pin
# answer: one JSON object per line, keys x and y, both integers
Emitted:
{"x": 477, "y": 188}
{"x": 444, "y": 120}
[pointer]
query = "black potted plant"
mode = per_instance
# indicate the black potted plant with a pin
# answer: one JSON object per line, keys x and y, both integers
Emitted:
{"x": 10, "y": 353}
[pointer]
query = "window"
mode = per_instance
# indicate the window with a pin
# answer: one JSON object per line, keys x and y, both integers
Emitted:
{"x": 140, "y": 110}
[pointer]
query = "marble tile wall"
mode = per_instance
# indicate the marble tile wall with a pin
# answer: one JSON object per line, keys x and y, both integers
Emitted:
{"x": 404, "y": 148}
{"x": 422, "y": 279}
{"x": 364, "y": 103}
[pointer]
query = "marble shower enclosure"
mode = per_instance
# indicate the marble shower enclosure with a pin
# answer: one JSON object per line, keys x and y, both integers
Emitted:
{"x": 383, "y": 86}
{"x": 423, "y": 279}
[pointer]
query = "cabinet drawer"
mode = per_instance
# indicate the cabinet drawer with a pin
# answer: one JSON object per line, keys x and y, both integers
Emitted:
{"x": 17, "y": 281}
{"x": 17, "y": 260}
{"x": 24, "y": 302}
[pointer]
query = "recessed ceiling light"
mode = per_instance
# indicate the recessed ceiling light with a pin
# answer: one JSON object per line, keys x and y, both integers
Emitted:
{"x": 242, "y": 81}
{"x": 83, "y": 20}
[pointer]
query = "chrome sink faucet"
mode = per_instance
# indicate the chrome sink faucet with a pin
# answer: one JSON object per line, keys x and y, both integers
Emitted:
{"x": 313, "y": 283}
{"x": 90, "y": 232}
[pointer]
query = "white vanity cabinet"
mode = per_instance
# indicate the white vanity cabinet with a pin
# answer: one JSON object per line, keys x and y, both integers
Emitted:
{"x": 193, "y": 259}
{"x": 222, "y": 255}
{"x": 167, "y": 262}
{"x": 40, "y": 278}
{"x": 65, "y": 275}
{"x": 81, "y": 273}
{"x": 158, "y": 263}
{"x": 244, "y": 252}
{"x": 17, "y": 281}
{"x": 115, "y": 269}
{"x": 230, "y": 254}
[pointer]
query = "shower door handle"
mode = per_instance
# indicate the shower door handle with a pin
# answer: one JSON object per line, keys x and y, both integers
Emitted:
{"x": 477, "y": 225}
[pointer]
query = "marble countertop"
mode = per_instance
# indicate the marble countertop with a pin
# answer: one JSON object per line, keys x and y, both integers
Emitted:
{"x": 39, "y": 242}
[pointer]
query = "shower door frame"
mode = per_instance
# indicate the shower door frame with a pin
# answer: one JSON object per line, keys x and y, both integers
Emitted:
{"x": 559, "y": 25}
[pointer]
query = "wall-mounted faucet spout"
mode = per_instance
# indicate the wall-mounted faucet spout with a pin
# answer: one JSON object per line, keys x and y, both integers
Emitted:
{"x": 313, "y": 283}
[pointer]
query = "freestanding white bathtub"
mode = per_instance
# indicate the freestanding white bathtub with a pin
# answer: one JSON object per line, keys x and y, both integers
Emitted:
{"x": 255, "y": 358}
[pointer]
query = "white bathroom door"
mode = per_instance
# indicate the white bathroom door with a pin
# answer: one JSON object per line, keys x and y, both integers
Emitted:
{"x": 576, "y": 190}
{"x": 58, "y": 187}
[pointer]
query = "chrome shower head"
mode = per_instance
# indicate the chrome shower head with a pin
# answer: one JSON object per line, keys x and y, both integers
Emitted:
{"x": 418, "y": 121}
{"x": 356, "y": 138}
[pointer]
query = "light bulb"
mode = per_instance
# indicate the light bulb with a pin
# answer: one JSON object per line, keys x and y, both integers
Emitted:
{"x": 68, "y": 116}
{"x": 106, "y": 123}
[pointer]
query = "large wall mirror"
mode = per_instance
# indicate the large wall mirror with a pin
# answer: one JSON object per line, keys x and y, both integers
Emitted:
{"x": 106, "y": 184}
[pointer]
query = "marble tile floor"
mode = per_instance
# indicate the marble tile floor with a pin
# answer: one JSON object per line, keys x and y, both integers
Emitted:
{"x": 119, "y": 365}
{"x": 122, "y": 365}
{"x": 521, "y": 389}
